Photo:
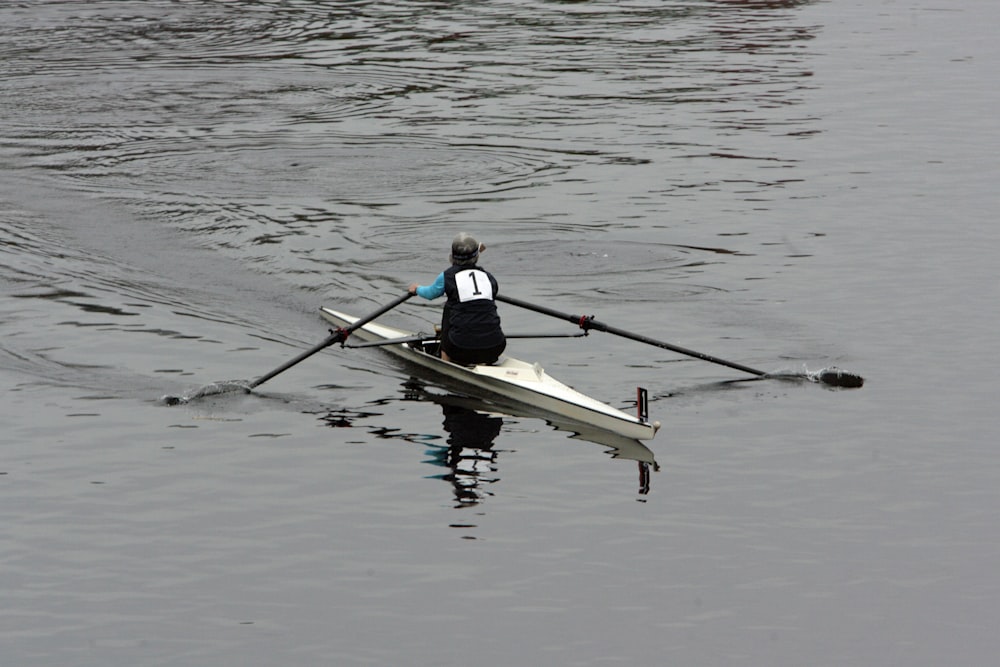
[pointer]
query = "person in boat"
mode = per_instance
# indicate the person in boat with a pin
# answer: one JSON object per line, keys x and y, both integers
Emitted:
{"x": 470, "y": 326}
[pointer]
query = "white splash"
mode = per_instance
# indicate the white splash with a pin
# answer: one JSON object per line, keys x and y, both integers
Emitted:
{"x": 222, "y": 387}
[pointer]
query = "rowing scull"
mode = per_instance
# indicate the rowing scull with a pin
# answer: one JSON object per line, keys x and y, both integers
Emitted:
{"x": 510, "y": 378}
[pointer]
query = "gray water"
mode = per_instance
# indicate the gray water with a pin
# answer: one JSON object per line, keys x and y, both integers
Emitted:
{"x": 789, "y": 185}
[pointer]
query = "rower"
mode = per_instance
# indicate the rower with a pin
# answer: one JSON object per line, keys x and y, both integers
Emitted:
{"x": 470, "y": 325}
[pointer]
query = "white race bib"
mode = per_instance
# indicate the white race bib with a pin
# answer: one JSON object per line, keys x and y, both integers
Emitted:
{"x": 473, "y": 284}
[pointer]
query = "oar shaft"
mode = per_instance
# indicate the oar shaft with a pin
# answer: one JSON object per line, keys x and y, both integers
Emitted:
{"x": 575, "y": 319}
{"x": 338, "y": 336}
{"x": 335, "y": 337}
{"x": 425, "y": 338}
{"x": 381, "y": 311}
{"x": 416, "y": 338}
{"x": 593, "y": 324}
{"x": 589, "y": 323}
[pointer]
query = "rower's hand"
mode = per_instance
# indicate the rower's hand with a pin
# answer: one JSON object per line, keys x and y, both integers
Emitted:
{"x": 412, "y": 288}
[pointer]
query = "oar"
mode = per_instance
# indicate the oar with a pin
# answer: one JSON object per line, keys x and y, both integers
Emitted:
{"x": 831, "y": 376}
{"x": 424, "y": 338}
{"x": 416, "y": 338}
{"x": 336, "y": 336}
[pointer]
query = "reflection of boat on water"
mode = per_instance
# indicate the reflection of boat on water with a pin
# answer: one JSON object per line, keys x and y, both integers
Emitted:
{"x": 473, "y": 425}
{"x": 618, "y": 446}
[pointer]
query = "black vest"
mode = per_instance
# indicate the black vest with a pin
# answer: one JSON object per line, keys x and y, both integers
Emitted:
{"x": 471, "y": 320}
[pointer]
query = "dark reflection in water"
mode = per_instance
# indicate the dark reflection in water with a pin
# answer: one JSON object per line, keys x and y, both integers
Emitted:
{"x": 471, "y": 427}
{"x": 469, "y": 454}
{"x": 468, "y": 451}
{"x": 473, "y": 424}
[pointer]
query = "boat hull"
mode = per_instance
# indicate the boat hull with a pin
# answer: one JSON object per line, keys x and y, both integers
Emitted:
{"x": 509, "y": 378}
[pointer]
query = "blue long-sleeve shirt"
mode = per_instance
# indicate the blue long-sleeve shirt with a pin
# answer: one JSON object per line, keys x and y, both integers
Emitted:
{"x": 434, "y": 290}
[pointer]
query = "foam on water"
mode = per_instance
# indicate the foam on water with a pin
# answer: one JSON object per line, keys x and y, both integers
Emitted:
{"x": 212, "y": 389}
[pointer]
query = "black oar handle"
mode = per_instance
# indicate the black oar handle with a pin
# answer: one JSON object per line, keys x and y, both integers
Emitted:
{"x": 588, "y": 322}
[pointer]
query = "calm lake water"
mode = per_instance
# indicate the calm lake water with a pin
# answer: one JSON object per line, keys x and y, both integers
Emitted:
{"x": 790, "y": 185}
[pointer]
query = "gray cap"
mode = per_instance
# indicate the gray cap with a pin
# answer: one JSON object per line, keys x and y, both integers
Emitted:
{"x": 464, "y": 249}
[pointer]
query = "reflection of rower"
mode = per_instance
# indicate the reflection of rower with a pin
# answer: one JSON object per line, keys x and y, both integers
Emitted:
{"x": 470, "y": 452}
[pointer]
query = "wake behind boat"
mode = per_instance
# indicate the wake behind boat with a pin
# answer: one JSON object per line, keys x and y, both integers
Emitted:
{"x": 509, "y": 378}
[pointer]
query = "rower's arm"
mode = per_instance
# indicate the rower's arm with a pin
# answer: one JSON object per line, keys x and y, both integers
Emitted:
{"x": 434, "y": 290}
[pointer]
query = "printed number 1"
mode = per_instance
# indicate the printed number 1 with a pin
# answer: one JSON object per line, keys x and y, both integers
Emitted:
{"x": 469, "y": 288}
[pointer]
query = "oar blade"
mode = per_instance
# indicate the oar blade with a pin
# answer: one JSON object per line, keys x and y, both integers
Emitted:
{"x": 213, "y": 389}
{"x": 838, "y": 377}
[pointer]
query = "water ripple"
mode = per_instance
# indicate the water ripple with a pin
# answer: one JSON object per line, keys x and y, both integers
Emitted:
{"x": 339, "y": 146}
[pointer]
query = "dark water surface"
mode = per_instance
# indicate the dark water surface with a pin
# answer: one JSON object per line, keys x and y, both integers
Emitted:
{"x": 790, "y": 185}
